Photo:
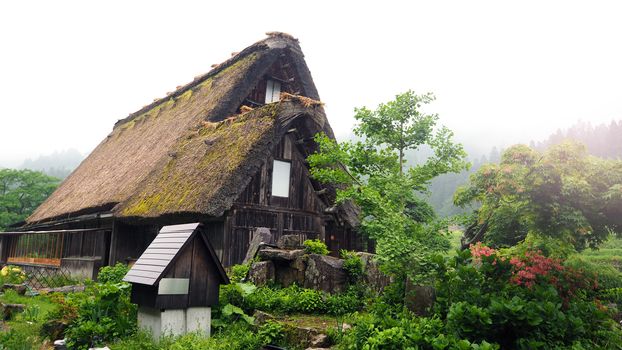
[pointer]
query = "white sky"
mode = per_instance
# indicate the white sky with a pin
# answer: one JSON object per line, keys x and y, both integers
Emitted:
{"x": 503, "y": 72}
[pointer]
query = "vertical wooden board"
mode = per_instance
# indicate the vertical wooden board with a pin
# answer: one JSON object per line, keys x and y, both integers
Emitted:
{"x": 227, "y": 228}
{"x": 144, "y": 295}
{"x": 200, "y": 272}
{"x": 172, "y": 301}
{"x": 262, "y": 185}
{"x": 213, "y": 284}
{"x": 215, "y": 233}
{"x": 183, "y": 263}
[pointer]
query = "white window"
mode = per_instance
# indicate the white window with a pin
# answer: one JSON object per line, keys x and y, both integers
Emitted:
{"x": 273, "y": 91}
{"x": 280, "y": 178}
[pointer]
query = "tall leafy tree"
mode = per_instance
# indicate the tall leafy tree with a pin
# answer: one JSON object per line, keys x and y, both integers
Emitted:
{"x": 21, "y": 192}
{"x": 373, "y": 173}
{"x": 562, "y": 193}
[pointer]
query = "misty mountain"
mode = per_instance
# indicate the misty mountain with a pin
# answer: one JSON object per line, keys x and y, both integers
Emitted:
{"x": 58, "y": 164}
{"x": 603, "y": 140}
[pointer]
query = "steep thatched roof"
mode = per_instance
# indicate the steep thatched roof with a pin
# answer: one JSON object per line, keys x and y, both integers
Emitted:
{"x": 183, "y": 154}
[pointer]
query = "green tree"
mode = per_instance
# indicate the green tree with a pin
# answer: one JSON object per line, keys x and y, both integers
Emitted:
{"x": 373, "y": 173}
{"x": 21, "y": 191}
{"x": 561, "y": 193}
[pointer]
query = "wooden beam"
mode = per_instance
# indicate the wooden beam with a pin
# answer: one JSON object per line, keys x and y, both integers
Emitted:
{"x": 19, "y": 233}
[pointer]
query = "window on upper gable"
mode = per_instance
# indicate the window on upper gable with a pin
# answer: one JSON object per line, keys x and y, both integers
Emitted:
{"x": 280, "y": 178}
{"x": 273, "y": 91}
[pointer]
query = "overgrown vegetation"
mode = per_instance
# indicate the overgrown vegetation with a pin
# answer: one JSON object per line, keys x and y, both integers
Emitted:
{"x": 523, "y": 281}
{"x": 374, "y": 174}
{"x": 23, "y": 331}
{"x": 315, "y": 246}
{"x": 291, "y": 300}
{"x": 100, "y": 314}
{"x": 562, "y": 193}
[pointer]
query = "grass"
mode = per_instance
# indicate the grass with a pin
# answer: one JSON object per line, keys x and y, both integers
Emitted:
{"x": 454, "y": 241}
{"x": 43, "y": 303}
{"x": 319, "y": 322}
{"x": 609, "y": 253}
{"x": 23, "y": 331}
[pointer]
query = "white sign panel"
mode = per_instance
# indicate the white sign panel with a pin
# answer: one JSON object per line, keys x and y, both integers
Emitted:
{"x": 173, "y": 286}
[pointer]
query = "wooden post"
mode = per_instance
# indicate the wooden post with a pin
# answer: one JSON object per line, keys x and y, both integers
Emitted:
{"x": 113, "y": 245}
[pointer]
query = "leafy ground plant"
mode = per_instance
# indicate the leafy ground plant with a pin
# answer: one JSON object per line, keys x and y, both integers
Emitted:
{"x": 315, "y": 246}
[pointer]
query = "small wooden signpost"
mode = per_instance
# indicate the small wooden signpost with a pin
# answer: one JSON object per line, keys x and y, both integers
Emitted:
{"x": 176, "y": 281}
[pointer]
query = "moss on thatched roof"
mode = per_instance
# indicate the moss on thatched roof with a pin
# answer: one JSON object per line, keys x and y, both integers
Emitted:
{"x": 181, "y": 154}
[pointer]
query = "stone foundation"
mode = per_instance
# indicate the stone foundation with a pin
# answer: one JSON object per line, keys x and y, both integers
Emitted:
{"x": 175, "y": 321}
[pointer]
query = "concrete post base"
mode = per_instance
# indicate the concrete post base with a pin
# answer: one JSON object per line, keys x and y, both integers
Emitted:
{"x": 175, "y": 321}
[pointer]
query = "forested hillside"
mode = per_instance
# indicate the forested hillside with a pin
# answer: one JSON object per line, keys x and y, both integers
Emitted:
{"x": 603, "y": 140}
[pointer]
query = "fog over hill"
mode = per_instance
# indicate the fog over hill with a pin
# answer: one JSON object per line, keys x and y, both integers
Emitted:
{"x": 58, "y": 164}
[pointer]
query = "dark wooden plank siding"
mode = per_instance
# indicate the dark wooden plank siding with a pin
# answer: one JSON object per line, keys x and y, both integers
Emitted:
{"x": 86, "y": 244}
{"x": 301, "y": 213}
{"x": 131, "y": 241}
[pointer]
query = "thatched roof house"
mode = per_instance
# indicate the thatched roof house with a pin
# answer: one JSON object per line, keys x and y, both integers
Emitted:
{"x": 207, "y": 152}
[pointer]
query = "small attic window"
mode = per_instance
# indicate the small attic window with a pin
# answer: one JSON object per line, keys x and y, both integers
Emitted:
{"x": 280, "y": 178}
{"x": 273, "y": 91}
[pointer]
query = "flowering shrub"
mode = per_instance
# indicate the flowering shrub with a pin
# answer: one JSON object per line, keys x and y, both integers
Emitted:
{"x": 522, "y": 301}
{"x": 532, "y": 266}
{"x": 12, "y": 274}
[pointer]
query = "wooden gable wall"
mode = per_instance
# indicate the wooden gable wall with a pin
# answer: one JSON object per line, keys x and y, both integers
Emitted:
{"x": 302, "y": 212}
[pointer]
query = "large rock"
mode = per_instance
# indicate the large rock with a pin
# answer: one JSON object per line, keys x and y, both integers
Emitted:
{"x": 288, "y": 273}
{"x": 280, "y": 255}
{"x": 18, "y": 288}
{"x": 372, "y": 276}
{"x": 63, "y": 290}
{"x": 10, "y": 310}
{"x": 319, "y": 341}
{"x": 261, "y": 273}
{"x": 419, "y": 299}
{"x": 304, "y": 336}
{"x": 262, "y": 236}
{"x": 325, "y": 273}
{"x": 54, "y": 329}
{"x": 289, "y": 242}
{"x": 262, "y": 317}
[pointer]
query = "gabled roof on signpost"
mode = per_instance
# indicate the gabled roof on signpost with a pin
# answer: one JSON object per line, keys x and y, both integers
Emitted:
{"x": 162, "y": 252}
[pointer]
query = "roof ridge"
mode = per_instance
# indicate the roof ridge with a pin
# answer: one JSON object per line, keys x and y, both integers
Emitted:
{"x": 274, "y": 40}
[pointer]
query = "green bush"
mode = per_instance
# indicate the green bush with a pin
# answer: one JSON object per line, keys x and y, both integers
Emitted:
{"x": 112, "y": 274}
{"x": 353, "y": 265}
{"x": 309, "y": 301}
{"x": 526, "y": 301}
{"x": 315, "y": 246}
{"x": 100, "y": 314}
{"x": 236, "y": 336}
{"x": 239, "y": 272}
{"x": 141, "y": 340}
{"x": 20, "y": 336}
{"x": 377, "y": 331}
{"x": 271, "y": 332}
{"x": 292, "y": 299}
{"x": 344, "y": 303}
